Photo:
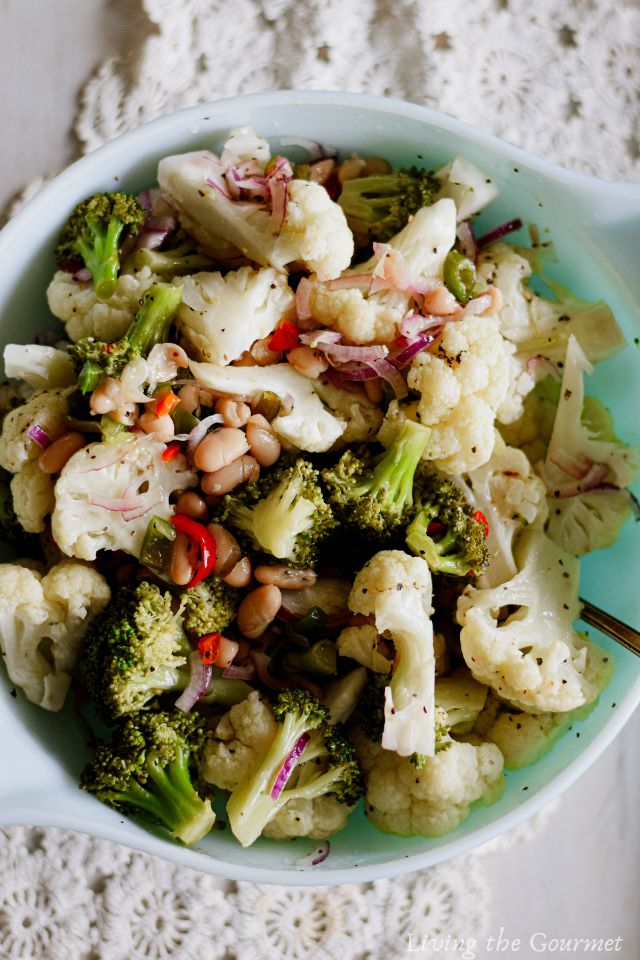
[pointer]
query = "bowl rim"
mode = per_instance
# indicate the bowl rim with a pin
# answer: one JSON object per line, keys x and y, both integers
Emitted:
{"x": 582, "y": 185}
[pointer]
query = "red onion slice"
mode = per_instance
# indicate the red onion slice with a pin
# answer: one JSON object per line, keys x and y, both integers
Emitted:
{"x": 279, "y": 201}
{"x": 198, "y": 683}
{"x": 319, "y": 855}
{"x": 539, "y": 367}
{"x": 216, "y": 186}
{"x": 502, "y": 231}
{"x": 414, "y": 323}
{"x": 393, "y": 377}
{"x": 115, "y": 454}
{"x": 406, "y": 354}
{"x": 83, "y": 275}
{"x": 591, "y": 480}
{"x": 234, "y": 672}
{"x": 359, "y": 281}
{"x": 287, "y": 767}
{"x": 343, "y": 354}
{"x": 303, "y": 299}
{"x": 145, "y": 200}
{"x": 316, "y": 337}
{"x": 467, "y": 240}
{"x": 199, "y": 432}
{"x": 38, "y": 435}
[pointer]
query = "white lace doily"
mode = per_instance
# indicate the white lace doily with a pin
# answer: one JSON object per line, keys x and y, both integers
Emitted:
{"x": 558, "y": 79}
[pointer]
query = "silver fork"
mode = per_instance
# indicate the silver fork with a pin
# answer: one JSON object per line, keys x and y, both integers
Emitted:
{"x": 616, "y": 629}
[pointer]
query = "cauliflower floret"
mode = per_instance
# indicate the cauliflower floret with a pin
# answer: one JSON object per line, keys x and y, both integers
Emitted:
{"x": 42, "y": 622}
{"x": 533, "y": 658}
{"x": 221, "y": 316}
{"x": 470, "y": 188}
{"x": 77, "y": 305}
{"x": 45, "y": 409}
{"x": 361, "y": 645}
{"x": 434, "y": 800}
{"x": 39, "y": 366}
{"x": 363, "y": 418}
{"x": 524, "y": 737}
{"x": 318, "y": 819}
{"x": 461, "y": 387}
{"x": 539, "y": 326}
{"x": 511, "y": 496}
{"x": 390, "y": 572}
{"x": 99, "y": 480}
{"x": 241, "y": 738}
{"x": 422, "y": 245}
{"x": 308, "y": 426}
{"x": 396, "y": 588}
{"x": 314, "y": 231}
{"x": 33, "y": 497}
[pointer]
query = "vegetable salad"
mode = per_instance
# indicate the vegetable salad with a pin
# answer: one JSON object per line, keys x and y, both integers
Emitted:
{"x": 298, "y": 495}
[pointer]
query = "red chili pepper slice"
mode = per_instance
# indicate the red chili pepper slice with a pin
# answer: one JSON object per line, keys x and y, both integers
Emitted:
{"x": 209, "y": 647}
{"x": 171, "y": 451}
{"x": 480, "y": 517}
{"x": 167, "y": 403}
{"x": 285, "y": 337}
{"x": 201, "y": 537}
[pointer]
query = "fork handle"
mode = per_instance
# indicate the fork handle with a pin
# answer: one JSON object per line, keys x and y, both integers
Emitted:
{"x": 613, "y": 628}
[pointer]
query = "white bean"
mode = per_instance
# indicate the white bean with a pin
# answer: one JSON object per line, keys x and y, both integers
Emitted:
{"x": 258, "y": 610}
{"x": 264, "y": 444}
{"x": 219, "y": 449}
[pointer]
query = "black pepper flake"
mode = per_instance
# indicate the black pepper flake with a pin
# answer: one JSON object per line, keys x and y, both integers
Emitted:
{"x": 525, "y": 788}
{"x": 398, "y": 586}
{"x": 473, "y": 449}
{"x": 567, "y": 394}
{"x": 14, "y": 693}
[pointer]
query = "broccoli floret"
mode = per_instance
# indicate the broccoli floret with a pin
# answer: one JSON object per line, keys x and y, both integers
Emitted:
{"x": 184, "y": 259}
{"x": 95, "y": 232}
{"x": 134, "y": 651}
{"x": 304, "y": 736}
{"x": 284, "y": 514}
{"x": 137, "y": 650}
{"x": 145, "y": 771}
{"x": 95, "y": 359}
{"x": 209, "y": 607}
{"x": 379, "y": 206}
{"x": 372, "y": 493}
{"x": 445, "y": 530}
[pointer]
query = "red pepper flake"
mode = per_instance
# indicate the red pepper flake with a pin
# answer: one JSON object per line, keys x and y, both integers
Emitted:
{"x": 200, "y": 537}
{"x": 285, "y": 337}
{"x": 435, "y": 527}
{"x": 171, "y": 451}
{"x": 209, "y": 647}
{"x": 480, "y": 517}
{"x": 108, "y": 347}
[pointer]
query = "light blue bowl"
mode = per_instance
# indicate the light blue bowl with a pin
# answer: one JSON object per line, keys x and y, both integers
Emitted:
{"x": 595, "y": 228}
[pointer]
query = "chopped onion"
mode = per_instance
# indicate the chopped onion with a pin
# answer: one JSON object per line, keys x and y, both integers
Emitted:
{"x": 287, "y": 767}
{"x": 591, "y": 480}
{"x": 217, "y": 187}
{"x": 467, "y": 240}
{"x": 234, "y": 672}
{"x": 199, "y": 432}
{"x": 198, "y": 683}
{"x": 315, "y": 337}
{"x": 343, "y": 354}
{"x": 319, "y": 855}
{"x": 406, "y": 354}
{"x": 37, "y": 434}
{"x": 83, "y": 275}
{"x": 539, "y": 367}
{"x": 145, "y": 200}
{"x": 505, "y": 228}
{"x": 360, "y": 281}
{"x": 414, "y": 323}
{"x": 303, "y": 295}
